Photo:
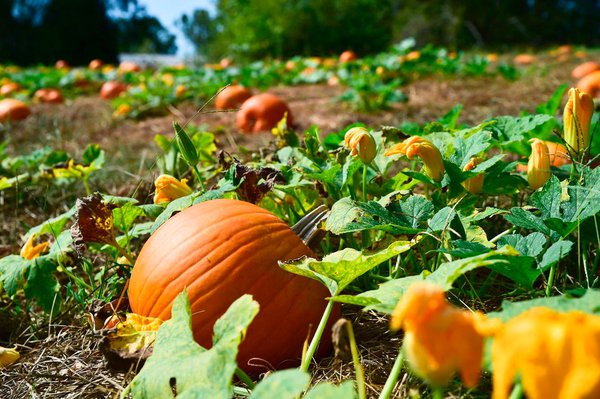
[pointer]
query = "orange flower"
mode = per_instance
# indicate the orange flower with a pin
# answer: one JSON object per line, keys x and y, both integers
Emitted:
{"x": 424, "y": 149}
{"x": 538, "y": 168}
{"x": 577, "y": 119}
{"x": 474, "y": 185}
{"x": 439, "y": 339}
{"x": 169, "y": 188}
{"x": 362, "y": 143}
{"x": 30, "y": 251}
{"x": 556, "y": 354}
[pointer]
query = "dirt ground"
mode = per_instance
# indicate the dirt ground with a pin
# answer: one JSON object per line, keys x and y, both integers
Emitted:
{"x": 62, "y": 360}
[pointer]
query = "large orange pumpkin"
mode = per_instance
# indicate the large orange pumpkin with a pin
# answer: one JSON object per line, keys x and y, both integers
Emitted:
{"x": 590, "y": 84}
{"x": 262, "y": 112}
{"x": 50, "y": 96}
{"x": 112, "y": 89}
{"x": 232, "y": 97}
{"x": 219, "y": 250}
{"x": 96, "y": 64}
{"x": 13, "y": 110}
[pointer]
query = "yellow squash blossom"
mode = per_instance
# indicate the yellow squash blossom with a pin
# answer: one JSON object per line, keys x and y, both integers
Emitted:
{"x": 424, "y": 149}
{"x": 577, "y": 119}
{"x": 439, "y": 339}
{"x": 8, "y": 356}
{"x": 557, "y": 355}
{"x": 361, "y": 143}
{"x": 169, "y": 188}
{"x": 31, "y": 251}
{"x": 474, "y": 185}
{"x": 538, "y": 168}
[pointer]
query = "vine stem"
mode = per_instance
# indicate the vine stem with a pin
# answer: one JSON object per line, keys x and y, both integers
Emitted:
{"x": 314, "y": 343}
{"x": 390, "y": 383}
{"x": 437, "y": 393}
{"x": 517, "y": 392}
{"x": 364, "y": 183}
{"x": 245, "y": 378}
{"x": 551, "y": 279}
{"x": 358, "y": 370}
{"x": 199, "y": 177}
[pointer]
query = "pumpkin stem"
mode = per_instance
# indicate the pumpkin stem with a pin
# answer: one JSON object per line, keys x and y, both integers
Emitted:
{"x": 308, "y": 227}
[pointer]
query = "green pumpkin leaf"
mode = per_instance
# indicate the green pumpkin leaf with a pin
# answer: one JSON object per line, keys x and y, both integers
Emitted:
{"x": 531, "y": 245}
{"x": 124, "y": 216}
{"x": 326, "y": 390}
{"x": 339, "y": 269}
{"x": 385, "y": 298}
{"x": 284, "y": 384}
{"x": 179, "y": 364}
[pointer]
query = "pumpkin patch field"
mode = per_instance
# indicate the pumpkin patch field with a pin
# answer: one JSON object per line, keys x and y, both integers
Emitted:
{"x": 412, "y": 224}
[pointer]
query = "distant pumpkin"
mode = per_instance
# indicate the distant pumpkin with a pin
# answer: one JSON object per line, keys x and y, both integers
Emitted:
{"x": 61, "y": 64}
{"x": 590, "y": 84}
{"x": 262, "y": 112}
{"x": 524, "y": 59}
{"x": 50, "y": 96}
{"x": 232, "y": 97}
{"x": 348, "y": 56}
{"x": 585, "y": 69}
{"x": 128, "y": 66}
{"x": 96, "y": 64}
{"x": 9, "y": 88}
{"x": 13, "y": 110}
{"x": 112, "y": 89}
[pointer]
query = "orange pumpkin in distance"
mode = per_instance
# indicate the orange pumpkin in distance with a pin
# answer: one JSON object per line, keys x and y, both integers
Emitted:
{"x": 112, "y": 89}
{"x": 232, "y": 97}
{"x": 584, "y": 69}
{"x": 128, "y": 66}
{"x": 220, "y": 250}
{"x": 96, "y": 64}
{"x": 13, "y": 110}
{"x": 61, "y": 64}
{"x": 524, "y": 59}
{"x": 50, "y": 96}
{"x": 9, "y": 88}
{"x": 590, "y": 84}
{"x": 262, "y": 112}
{"x": 348, "y": 56}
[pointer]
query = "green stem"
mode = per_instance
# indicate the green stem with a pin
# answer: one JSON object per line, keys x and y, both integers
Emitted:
{"x": 199, "y": 177}
{"x": 364, "y": 183}
{"x": 241, "y": 391}
{"x": 517, "y": 392}
{"x": 245, "y": 378}
{"x": 551, "y": 279}
{"x": 437, "y": 393}
{"x": 358, "y": 370}
{"x": 390, "y": 383}
{"x": 314, "y": 344}
{"x": 88, "y": 191}
{"x": 123, "y": 252}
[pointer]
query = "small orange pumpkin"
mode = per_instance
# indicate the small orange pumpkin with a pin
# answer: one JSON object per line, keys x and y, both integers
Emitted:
{"x": 13, "y": 110}
{"x": 220, "y": 250}
{"x": 61, "y": 64}
{"x": 590, "y": 84}
{"x": 50, "y": 96}
{"x": 112, "y": 89}
{"x": 96, "y": 64}
{"x": 584, "y": 69}
{"x": 262, "y": 112}
{"x": 232, "y": 97}
{"x": 524, "y": 59}
{"x": 128, "y": 66}
{"x": 348, "y": 56}
{"x": 9, "y": 88}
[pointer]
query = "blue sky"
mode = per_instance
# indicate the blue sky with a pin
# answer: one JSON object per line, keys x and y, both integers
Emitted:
{"x": 167, "y": 11}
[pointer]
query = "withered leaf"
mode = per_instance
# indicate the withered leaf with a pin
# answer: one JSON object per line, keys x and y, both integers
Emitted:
{"x": 131, "y": 342}
{"x": 100, "y": 311}
{"x": 341, "y": 341}
{"x": 255, "y": 184}
{"x": 93, "y": 222}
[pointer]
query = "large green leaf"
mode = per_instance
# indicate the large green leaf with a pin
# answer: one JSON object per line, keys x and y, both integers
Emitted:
{"x": 385, "y": 298}
{"x": 339, "y": 269}
{"x": 284, "y": 384}
{"x": 179, "y": 364}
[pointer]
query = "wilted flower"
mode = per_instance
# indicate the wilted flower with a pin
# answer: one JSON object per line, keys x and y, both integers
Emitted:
{"x": 538, "y": 168}
{"x": 169, "y": 188}
{"x": 439, "y": 339}
{"x": 31, "y": 251}
{"x": 8, "y": 356}
{"x": 362, "y": 143}
{"x": 474, "y": 185}
{"x": 557, "y": 355}
{"x": 577, "y": 119}
{"x": 424, "y": 149}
